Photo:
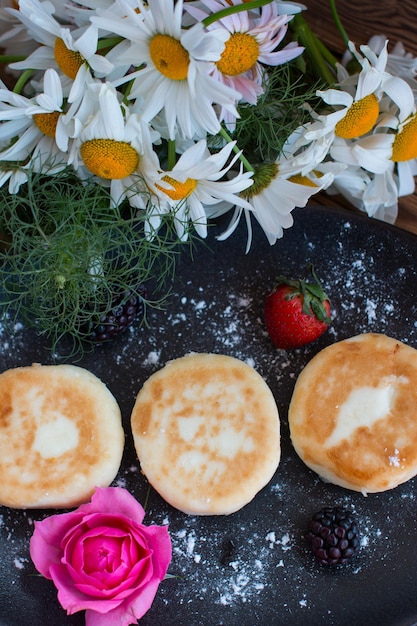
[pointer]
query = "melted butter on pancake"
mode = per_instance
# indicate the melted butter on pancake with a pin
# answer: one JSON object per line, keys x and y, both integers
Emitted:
{"x": 60, "y": 438}
{"x": 55, "y": 437}
{"x": 353, "y": 414}
{"x": 363, "y": 407}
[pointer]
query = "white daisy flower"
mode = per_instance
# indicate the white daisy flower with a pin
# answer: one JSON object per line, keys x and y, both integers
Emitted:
{"x": 381, "y": 166}
{"x": 356, "y": 103}
{"x": 393, "y": 141}
{"x": 351, "y": 183}
{"x": 403, "y": 154}
{"x": 63, "y": 48}
{"x": 15, "y": 177}
{"x": 115, "y": 147}
{"x": 372, "y": 152}
{"x": 282, "y": 186}
{"x": 250, "y": 45}
{"x": 32, "y": 131}
{"x": 47, "y": 108}
{"x": 376, "y": 132}
{"x": 380, "y": 198}
{"x": 399, "y": 63}
{"x": 193, "y": 189}
{"x": 173, "y": 64}
{"x": 374, "y": 194}
{"x": 271, "y": 205}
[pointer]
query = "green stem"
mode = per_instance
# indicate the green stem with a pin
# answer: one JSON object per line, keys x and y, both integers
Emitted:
{"x": 36, "y": 222}
{"x": 22, "y": 80}
{"x": 325, "y": 52}
{"x": 148, "y": 493}
{"x": 223, "y": 133}
{"x": 338, "y": 22}
{"x": 172, "y": 156}
{"x": 310, "y": 42}
{"x": 247, "y": 6}
{"x": 11, "y": 58}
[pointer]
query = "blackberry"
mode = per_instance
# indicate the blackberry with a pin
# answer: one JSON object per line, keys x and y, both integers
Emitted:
{"x": 125, "y": 307}
{"x": 333, "y": 536}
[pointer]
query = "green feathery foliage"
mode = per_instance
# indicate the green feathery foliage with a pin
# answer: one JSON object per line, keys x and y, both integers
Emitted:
{"x": 65, "y": 254}
{"x": 263, "y": 128}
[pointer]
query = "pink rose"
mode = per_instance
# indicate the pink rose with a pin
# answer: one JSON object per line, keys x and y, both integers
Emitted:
{"x": 102, "y": 559}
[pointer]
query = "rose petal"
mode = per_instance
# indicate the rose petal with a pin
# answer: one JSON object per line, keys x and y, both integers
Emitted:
{"x": 73, "y": 600}
{"x": 102, "y": 555}
{"x": 45, "y": 543}
{"x": 128, "y": 612}
{"x": 133, "y": 551}
{"x": 115, "y": 500}
{"x": 117, "y": 585}
{"x": 106, "y": 557}
{"x": 81, "y": 543}
{"x": 160, "y": 542}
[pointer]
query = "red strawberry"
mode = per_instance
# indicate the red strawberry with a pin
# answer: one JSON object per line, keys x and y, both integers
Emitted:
{"x": 296, "y": 312}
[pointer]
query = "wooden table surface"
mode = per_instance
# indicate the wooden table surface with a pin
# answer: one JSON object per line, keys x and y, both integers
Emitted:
{"x": 397, "y": 20}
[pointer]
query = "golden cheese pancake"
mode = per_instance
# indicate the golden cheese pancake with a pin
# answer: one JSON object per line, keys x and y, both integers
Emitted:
{"x": 60, "y": 436}
{"x": 353, "y": 413}
{"x": 207, "y": 433}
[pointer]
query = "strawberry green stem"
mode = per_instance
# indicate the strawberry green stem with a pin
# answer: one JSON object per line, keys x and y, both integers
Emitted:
{"x": 313, "y": 295}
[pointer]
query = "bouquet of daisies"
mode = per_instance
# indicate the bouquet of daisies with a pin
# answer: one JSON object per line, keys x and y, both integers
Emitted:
{"x": 125, "y": 126}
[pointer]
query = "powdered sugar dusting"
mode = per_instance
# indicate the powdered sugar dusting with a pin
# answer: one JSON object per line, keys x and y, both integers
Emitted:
{"x": 236, "y": 579}
{"x": 19, "y": 563}
{"x": 241, "y": 565}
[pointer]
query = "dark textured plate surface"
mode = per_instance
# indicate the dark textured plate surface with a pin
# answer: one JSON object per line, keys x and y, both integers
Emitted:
{"x": 253, "y": 567}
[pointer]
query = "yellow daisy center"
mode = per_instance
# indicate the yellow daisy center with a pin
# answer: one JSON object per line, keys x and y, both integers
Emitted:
{"x": 180, "y": 190}
{"x": 109, "y": 158}
{"x": 404, "y": 147}
{"x": 359, "y": 119}
{"x": 46, "y": 122}
{"x": 302, "y": 180}
{"x": 240, "y": 54}
{"x": 68, "y": 61}
{"x": 169, "y": 56}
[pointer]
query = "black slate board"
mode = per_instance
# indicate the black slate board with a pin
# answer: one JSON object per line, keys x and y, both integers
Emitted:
{"x": 252, "y": 567}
